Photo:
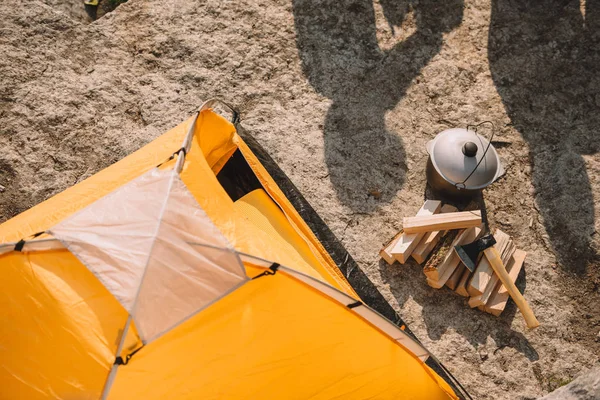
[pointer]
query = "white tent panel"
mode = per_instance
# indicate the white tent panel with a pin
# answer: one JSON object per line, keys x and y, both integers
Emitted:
{"x": 180, "y": 278}
{"x": 113, "y": 236}
{"x": 135, "y": 240}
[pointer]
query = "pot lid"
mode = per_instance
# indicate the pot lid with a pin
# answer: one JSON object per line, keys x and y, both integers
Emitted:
{"x": 455, "y": 154}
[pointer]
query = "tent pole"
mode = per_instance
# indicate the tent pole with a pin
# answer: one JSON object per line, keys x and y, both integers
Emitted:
{"x": 185, "y": 146}
{"x": 113, "y": 369}
{"x": 187, "y": 141}
{"x": 33, "y": 245}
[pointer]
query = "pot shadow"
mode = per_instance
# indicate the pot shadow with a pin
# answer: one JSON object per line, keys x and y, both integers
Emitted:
{"x": 544, "y": 59}
{"x": 442, "y": 309}
{"x": 342, "y": 60}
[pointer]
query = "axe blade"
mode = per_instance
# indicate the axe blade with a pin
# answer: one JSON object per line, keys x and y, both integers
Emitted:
{"x": 469, "y": 253}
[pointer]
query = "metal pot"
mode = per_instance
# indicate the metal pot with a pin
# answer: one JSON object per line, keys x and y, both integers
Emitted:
{"x": 461, "y": 163}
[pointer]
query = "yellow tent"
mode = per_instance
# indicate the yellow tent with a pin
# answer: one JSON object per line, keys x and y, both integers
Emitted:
{"x": 149, "y": 280}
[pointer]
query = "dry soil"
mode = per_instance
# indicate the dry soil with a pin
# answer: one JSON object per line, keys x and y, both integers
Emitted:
{"x": 345, "y": 95}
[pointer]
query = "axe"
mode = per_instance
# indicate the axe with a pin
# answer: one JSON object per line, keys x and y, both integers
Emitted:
{"x": 470, "y": 255}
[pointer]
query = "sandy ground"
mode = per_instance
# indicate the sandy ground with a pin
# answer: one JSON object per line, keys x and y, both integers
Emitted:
{"x": 345, "y": 95}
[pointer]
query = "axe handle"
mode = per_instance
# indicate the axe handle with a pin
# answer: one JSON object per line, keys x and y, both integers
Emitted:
{"x": 496, "y": 263}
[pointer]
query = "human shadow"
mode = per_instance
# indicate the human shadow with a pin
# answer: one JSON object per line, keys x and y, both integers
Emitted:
{"x": 342, "y": 60}
{"x": 443, "y": 309}
{"x": 545, "y": 58}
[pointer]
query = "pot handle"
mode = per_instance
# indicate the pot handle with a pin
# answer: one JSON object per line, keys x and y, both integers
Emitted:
{"x": 463, "y": 183}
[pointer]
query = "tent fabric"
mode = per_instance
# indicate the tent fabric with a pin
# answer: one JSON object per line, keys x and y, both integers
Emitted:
{"x": 212, "y": 132}
{"x": 315, "y": 349}
{"x": 258, "y": 208}
{"x": 297, "y": 223}
{"x": 277, "y": 336}
{"x": 376, "y": 319}
{"x": 136, "y": 241}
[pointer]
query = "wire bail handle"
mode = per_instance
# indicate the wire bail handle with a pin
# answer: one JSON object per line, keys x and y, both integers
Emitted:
{"x": 462, "y": 185}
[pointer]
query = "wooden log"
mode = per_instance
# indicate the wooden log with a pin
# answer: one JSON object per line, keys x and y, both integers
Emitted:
{"x": 425, "y": 246}
{"x": 455, "y": 277}
{"x": 430, "y": 239}
{"x": 499, "y": 297}
{"x": 494, "y": 258}
{"x": 452, "y": 266}
{"x": 385, "y": 252}
{"x": 403, "y": 248}
{"x": 483, "y": 298}
{"x": 483, "y": 272}
{"x": 461, "y": 288}
{"x": 441, "y": 251}
{"x": 452, "y": 260}
{"x": 508, "y": 251}
{"x": 442, "y": 222}
{"x": 474, "y": 301}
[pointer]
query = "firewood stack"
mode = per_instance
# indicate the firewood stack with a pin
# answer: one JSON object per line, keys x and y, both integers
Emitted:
{"x": 430, "y": 237}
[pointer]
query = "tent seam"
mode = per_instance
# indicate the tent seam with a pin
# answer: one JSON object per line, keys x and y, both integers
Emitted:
{"x": 162, "y": 213}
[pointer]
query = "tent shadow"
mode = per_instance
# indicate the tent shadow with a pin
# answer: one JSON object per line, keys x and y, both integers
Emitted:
{"x": 544, "y": 59}
{"x": 442, "y": 309}
{"x": 343, "y": 61}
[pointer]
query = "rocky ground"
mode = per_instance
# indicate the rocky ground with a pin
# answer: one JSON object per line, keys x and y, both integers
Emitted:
{"x": 345, "y": 95}
{"x": 585, "y": 387}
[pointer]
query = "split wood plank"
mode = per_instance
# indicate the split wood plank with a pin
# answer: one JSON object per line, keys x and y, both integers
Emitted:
{"x": 506, "y": 251}
{"x": 385, "y": 252}
{"x": 409, "y": 241}
{"x": 430, "y": 239}
{"x": 455, "y": 277}
{"x": 452, "y": 259}
{"x": 442, "y": 252}
{"x": 483, "y": 273}
{"x": 461, "y": 288}
{"x": 499, "y": 297}
{"x": 440, "y": 222}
